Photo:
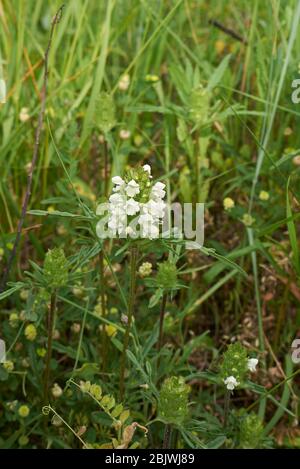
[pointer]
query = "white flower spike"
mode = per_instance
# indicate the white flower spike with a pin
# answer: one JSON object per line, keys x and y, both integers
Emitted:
{"x": 117, "y": 180}
{"x": 147, "y": 168}
{"x": 132, "y": 188}
{"x": 231, "y": 383}
{"x": 252, "y": 363}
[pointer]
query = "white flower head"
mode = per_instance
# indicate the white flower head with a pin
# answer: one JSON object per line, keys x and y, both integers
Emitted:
{"x": 117, "y": 200}
{"x": 155, "y": 209}
{"x": 132, "y": 207}
{"x": 117, "y": 180}
{"x": 252, "y": 363}
{"x": 132, "y": 188}
{"x": 124, "y": 134}
{"x": 147, "y": 168}
{"x": 231, "y": 383}
{"x": 158, "y": 191}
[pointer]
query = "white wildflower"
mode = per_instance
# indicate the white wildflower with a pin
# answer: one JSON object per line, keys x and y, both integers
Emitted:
{"x": 158, "y": 191}
{"x": 147, "y": 168}
{"x": 231, "y": 383}
{"x": 132, "y": 207}
{"x": 124, "y": 134}
{"x": 252, "y": 363}
{"x": 132, "y": 188}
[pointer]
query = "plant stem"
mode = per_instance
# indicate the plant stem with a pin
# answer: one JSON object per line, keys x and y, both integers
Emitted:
{"x": 167, "y": 437}
{"x": 226, "y": 407}
{"x": 133, "y": 260}
{"x": 103, "y": 307}
{"x": 50, "y": 323}
{"x": 161, "y": 321}
{"x": 35, "y": 154}
{"x": 105, "y": 148}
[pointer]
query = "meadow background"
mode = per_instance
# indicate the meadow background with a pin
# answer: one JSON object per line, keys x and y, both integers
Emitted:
{"x": 211, "y": 111}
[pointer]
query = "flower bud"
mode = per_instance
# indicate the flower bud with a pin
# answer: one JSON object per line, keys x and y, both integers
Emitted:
{"x": 173, "y": 400}
{"x": 56, "y": 268}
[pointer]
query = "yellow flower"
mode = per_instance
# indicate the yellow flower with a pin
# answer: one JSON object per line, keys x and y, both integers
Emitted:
{"x": 138, "y": 140}
{"x": 24, "y": 115}
{"x": 56, "y": 390}
{"x": 9, "y": 365}
{"x": 24, "y": 294}
{"x": 296, "y": 160}
{"x": 13, "y": 319}
{"x": 124, "y": 82}
{"x": 145, "y": 269}
{"x": 30, "y": 332}
{"x": 248, "y": 220}
{"x": 151, "y": 78}
{"x": 110, "y": 330}
{"x": 41, "y": 352}
{"x": 220, "y": 46}
{"x": 264, "y": 195}
{"x": 228, "y": 203}
{"x": 24, "y": 411}
{"x": 96, "y": 391}
{"x": 1, "y": 253}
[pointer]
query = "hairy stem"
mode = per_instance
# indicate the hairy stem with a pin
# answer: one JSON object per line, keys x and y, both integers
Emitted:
{"x": 55, "y": 20}
{"x": 161, "y": 321}
{"x": 167, "y": 437}
{"x": 226, "y": 408}
{"x": 50, "y": 323}
{"x": 104, "y": 344}
{"x": 133, "y": 260}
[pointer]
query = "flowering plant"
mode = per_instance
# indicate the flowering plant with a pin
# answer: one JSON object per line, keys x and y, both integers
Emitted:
{"x": 136, "y": 207}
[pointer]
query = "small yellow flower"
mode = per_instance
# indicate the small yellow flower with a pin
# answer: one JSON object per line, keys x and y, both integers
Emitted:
{"x": 288, "y": 131}
{"x": 152, "y": 78}
{"x": 30, "y": 332}
{"x": 24, "y": 411}
{"x": 76, "y": 327}
{"x": 50, "y": 209}
{"x": 13, "y": 319}
{"x": 124, "y": 82}
{"x": 138, "y": 140}
{"x": 248, "y": 220}
{"x": 61, "y": 230}
{"x": 145, "y": 269}
{"x": 24, "y": 294}
{"x": 10, "y": 246}
{"x": 56, "y": 390}
{"x": 1, "y": 253}
{"x": 85, "y": 386}
{"x": 110, "y": 330}
{"x": 264, "y": 195}
{"x": 96, "y": 391}
{"x": 8, "y": 365}
{"x": 41, "y": 352}
{"x": 220, "y": 46}
{"x": 24, "y": 115}
{"x": 296, "y": 160}
{"x": 228, "y": 203}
